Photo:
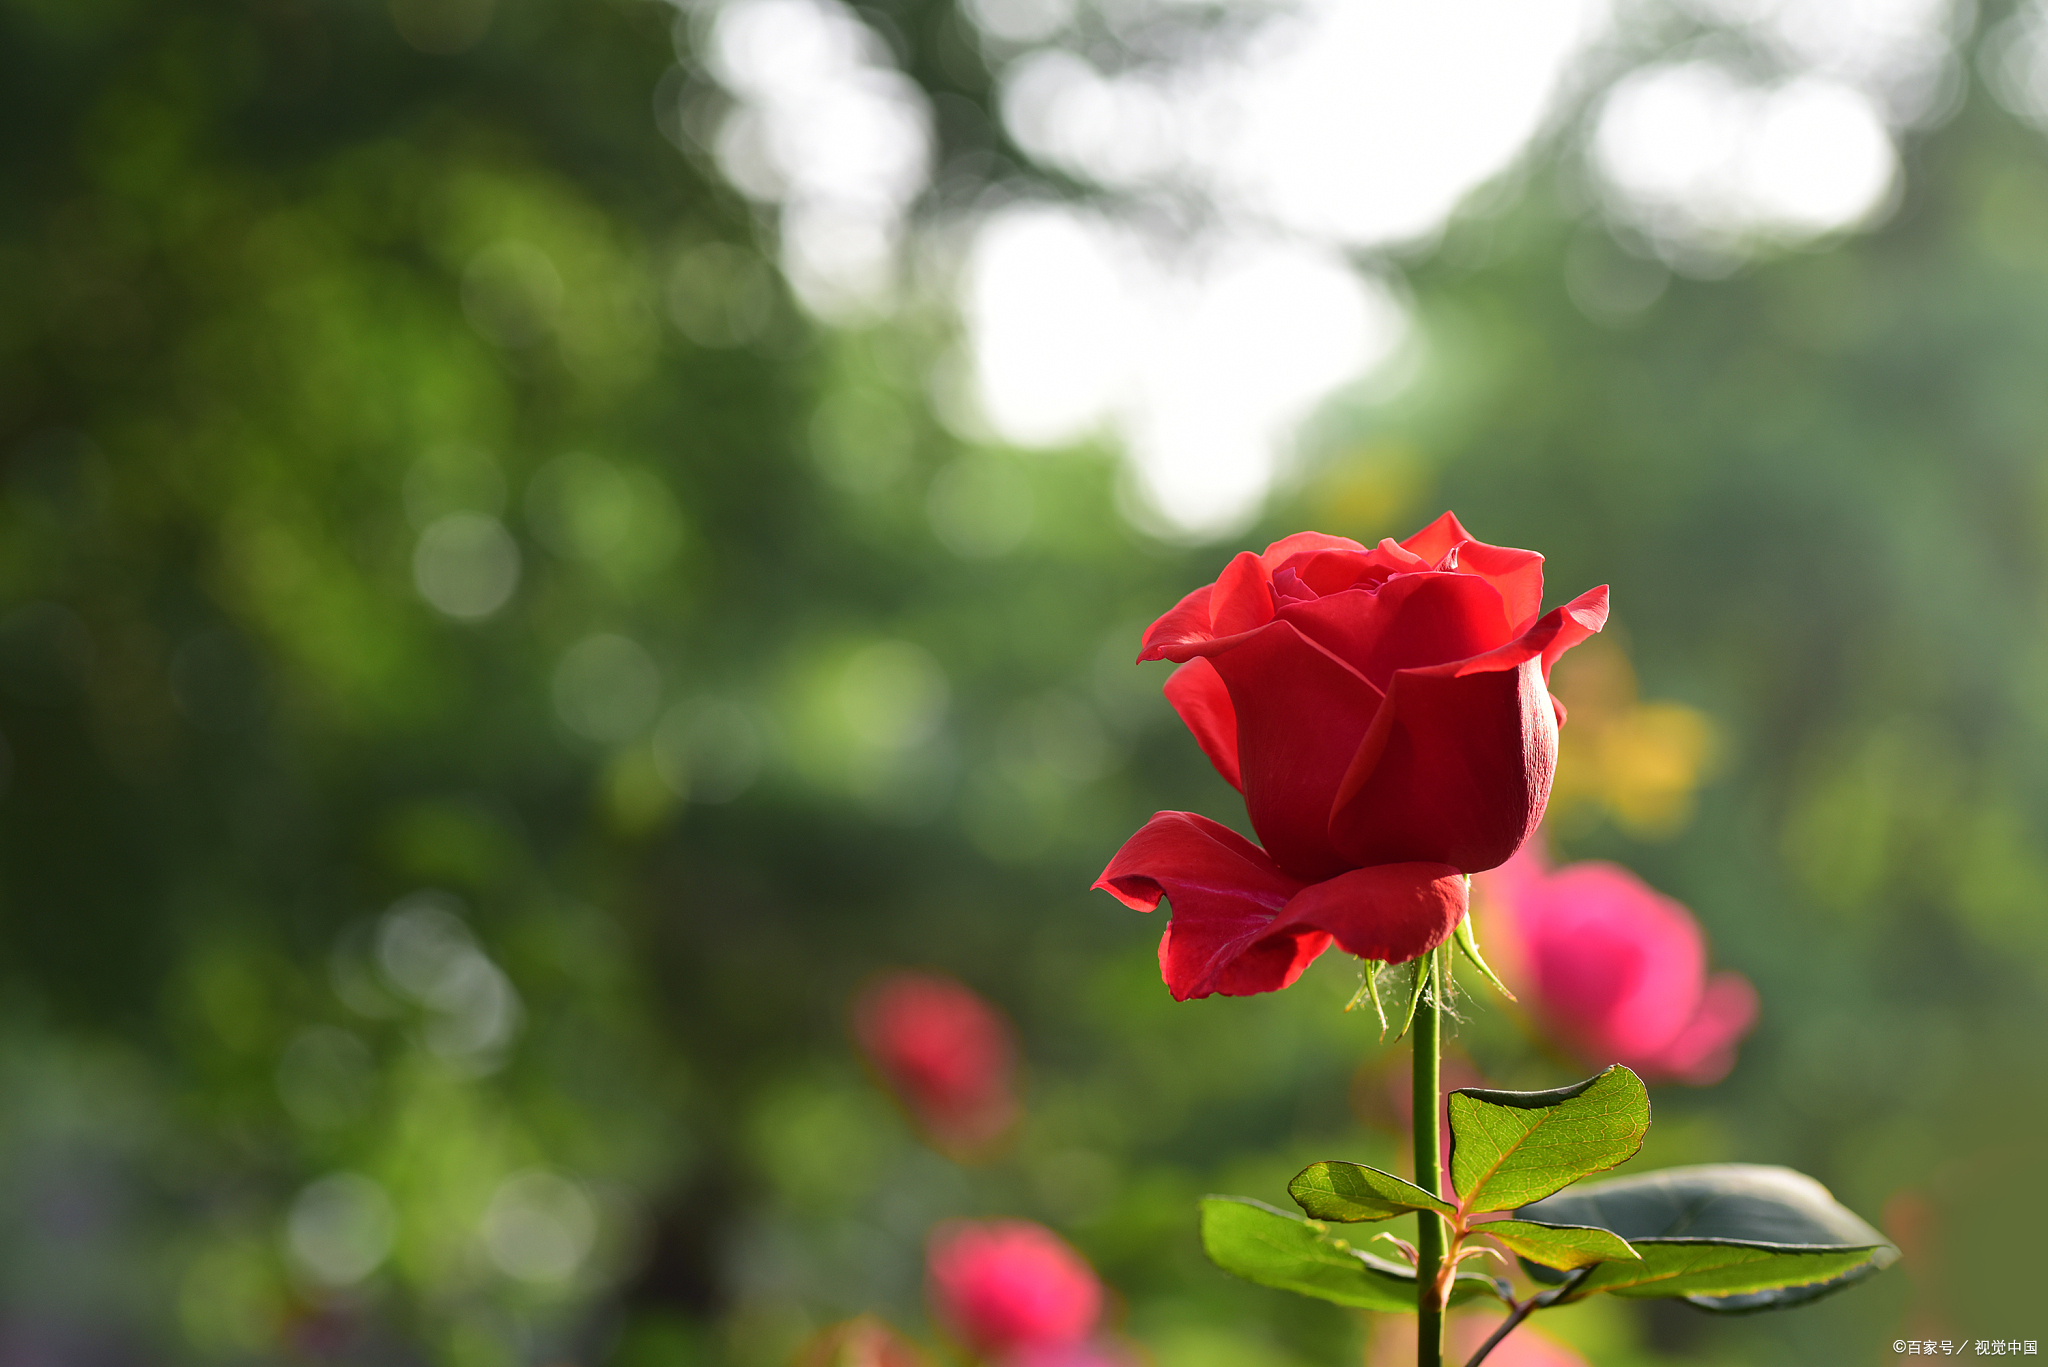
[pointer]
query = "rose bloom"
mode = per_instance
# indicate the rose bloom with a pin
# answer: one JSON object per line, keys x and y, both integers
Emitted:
{"x": 1617, "y": 972}
{"x": 944, "y": 1052}
{"x": 1012, "y": 1289}
{"x": 1387, "y": 716}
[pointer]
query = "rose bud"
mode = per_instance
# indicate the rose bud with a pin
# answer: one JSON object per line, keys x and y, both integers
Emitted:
{"x": 1616, "y": 971}
{"x": 1386, "y": 714}
{"x": 944, "y": 1053}
{"x": 1010, "y": 1288}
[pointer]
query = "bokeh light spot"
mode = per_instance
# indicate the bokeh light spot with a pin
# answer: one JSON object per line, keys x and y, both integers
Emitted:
{"x": 427, "y": 952}
{"x": 466, "y": 565}
{"x": 340, "y": 1229}
{"x": 540, "y": 1227}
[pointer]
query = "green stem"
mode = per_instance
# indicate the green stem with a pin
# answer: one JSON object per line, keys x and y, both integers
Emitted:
{"x": 1429, "y": 1240}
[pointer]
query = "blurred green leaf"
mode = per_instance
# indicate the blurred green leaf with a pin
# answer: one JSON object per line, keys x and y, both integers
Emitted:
{"x": 1729, "y": 1237}
{"x": 1354, "y": 1193}
{"x": 1511, "y": 1148}
{"x": 1703, "y": 1271}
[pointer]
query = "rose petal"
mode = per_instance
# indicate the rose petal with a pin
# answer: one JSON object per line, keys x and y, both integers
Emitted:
{"x": 1704, "y": 1051}
{"x": 1336, "y": 571}
{"x": 1198, "y": 694}
{"x": 1575, "y": 621}
{"x": 1454, "y": 770}
{"x": 1415, "y": 621}
{"x": 1515, "y": 574}
{"x": 1394, "y": 912}
{"x": 1304, "y": 543}
{"x": 1438, "y": 539}
{"x": 1243, "y": 600}
{"x": 1225, "y": 893}
{"x": 1301, "y": 713}
{"x": 1187, "y": 620}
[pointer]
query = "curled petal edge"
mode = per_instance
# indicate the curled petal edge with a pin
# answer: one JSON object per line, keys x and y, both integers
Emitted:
{"x": 1240, "y": 926}
{"x": 1547, "y": 640}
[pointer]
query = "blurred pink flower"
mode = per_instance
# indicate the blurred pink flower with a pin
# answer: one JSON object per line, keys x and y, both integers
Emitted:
{"x": 1093, "y": 1353}
{"x": 1013, "y": 1290}
{"x": 1616, "y": 970}
{"x": 1393, "y": 1342}
{"x": 944, "y": 1052}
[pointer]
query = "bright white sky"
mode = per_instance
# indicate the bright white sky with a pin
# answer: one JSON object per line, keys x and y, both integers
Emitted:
{"x": 1336, "y": 128}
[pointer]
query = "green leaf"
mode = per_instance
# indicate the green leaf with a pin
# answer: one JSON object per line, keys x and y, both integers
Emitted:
{"x": 1511, "y": 1148}
{"x": 1565, "y": 1247}
{"x": 1252, "y": 1240}
{"x": 1706, "y": 1270}
{"x": 1353, "y": 1193}
{"x": 1729, "y": 1237}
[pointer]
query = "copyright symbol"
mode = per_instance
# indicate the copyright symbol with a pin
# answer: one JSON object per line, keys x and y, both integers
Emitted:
{"x": 1898, "y": 1345}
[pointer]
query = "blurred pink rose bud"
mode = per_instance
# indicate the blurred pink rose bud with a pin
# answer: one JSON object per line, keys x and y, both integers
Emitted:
{"x": 945, "y": 1053}
{"x": 1012, "y": 1290}
{"x": 1616, "y": 971}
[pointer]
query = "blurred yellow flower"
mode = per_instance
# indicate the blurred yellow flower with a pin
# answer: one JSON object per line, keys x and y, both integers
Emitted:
{"x": 1636, "y": 763}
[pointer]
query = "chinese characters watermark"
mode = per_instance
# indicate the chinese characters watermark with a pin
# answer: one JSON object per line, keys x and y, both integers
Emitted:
{"x": 1983, "y": 1348}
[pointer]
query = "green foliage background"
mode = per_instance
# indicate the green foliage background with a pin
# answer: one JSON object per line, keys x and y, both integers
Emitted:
{"x": 235, "y": 242}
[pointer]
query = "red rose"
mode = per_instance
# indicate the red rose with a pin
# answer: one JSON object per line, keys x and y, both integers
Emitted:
{"x": 945, "y": 1053}
{"x": 1008, "y": 1287}
{"x": 1386, "y": 715}
{"x": 1617, "y": 971}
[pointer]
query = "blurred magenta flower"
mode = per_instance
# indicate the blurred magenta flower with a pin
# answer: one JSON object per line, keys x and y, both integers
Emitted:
{"x": 946, "y": 1054}
{"x": 1617, "y": 971}
{"x": 1014, "y": 1291}
{"x": 1393, "y": 1343}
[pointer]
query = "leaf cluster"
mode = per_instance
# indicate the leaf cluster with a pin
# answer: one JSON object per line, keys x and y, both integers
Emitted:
{"x": 1729, "y": 1238}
